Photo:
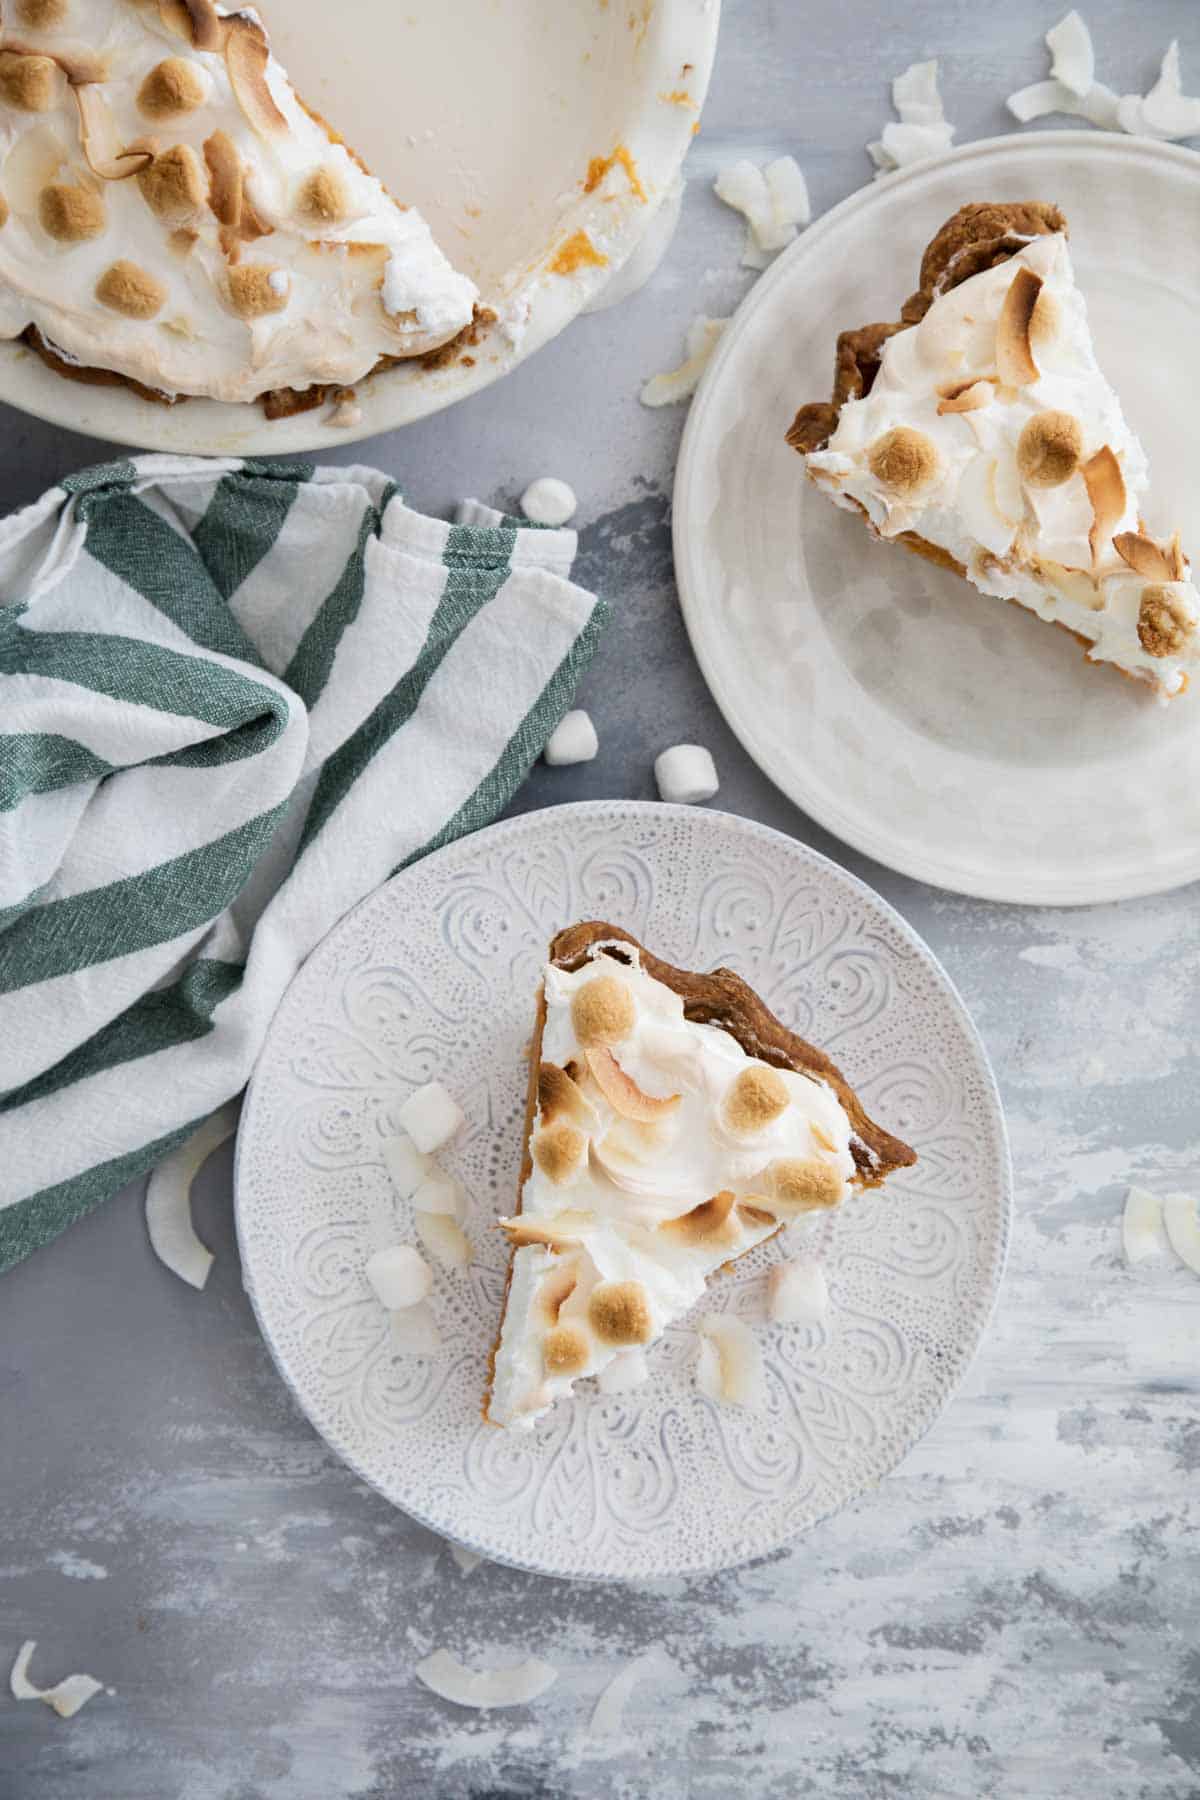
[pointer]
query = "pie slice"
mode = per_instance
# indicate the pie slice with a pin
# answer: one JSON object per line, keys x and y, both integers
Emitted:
{"x": 672, "y": 1124}
{"x": 172, "y": 215}
{"x": 980, "y": 432}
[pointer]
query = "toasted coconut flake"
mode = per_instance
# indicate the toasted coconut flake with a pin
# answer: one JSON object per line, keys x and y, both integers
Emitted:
{"x": 622, "y": 1091}
{"x": 1073, "y": 58}
{"x": 557, "y": 1289}
{"x": 1142, "y": 1230}
{"x": 168, "y": 1199}
{"x": 485, "y": 1688}
{"x": 196, "y": 21}
{"x": 1145, "y": 557}
{"x": 444, "y": 1238}
{"x": 1178, "y": 559}
{"x": 823, "y": 1139}
{"x": 247, "y": 54}
{"x": 972, "y": 396}
{"x": 224, "y": 179}
{"x": 561, "y": 1231}
{"x": 797, "y": 1292}
{"x": 559, "y": 1096}
{"x": 730, "y": 1364}
{"x": 414, "y": 1330}
{"x": 1014, "y": 355}
{"x": 609, "y": 1709}
{"x": 752, "y": 1212}
{"x": 96, "y": 136}
{"x": 66, "y": 1696}
{"x": 1106, "y": 490}
{"x": 1183, "y": 1229}
{"x": 712, "y": 1222}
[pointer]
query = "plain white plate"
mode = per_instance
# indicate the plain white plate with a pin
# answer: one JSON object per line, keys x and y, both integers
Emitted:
{"x": 435, "y": 976}
{"x": 951, "y": 736}
{"x": 486, "y": 116}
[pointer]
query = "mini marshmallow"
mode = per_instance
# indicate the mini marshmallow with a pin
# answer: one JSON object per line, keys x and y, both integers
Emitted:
{"x": 797, "y": 1292}
{"x": 407, "y": 1166}
{"x": 399, "y": 1275}
{"x": 549, "y": 501}
{"x": 573, "y": 740}
{"x": 440, "y": 1193}
{"x": 686, "y": 774}
{"x": 431, "y": 1117}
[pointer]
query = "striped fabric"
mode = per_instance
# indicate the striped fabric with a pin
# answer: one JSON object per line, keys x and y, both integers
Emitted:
{"x": 234, "y": 698}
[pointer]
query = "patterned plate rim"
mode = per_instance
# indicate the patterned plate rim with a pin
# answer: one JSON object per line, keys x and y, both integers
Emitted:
{"x": 616, "y": 810}
{"x": 814, "y": 798}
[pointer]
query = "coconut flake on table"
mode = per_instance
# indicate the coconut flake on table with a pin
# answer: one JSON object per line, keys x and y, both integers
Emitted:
{"x": 608, "y": 1712}
{"x": 773, "y": 200}
{"x": 66, "y": 1696}
{"x": 1166, "y": 112}
{"x": 467, "y": 1560}
{"x": 922, "y": 129}
{"x": 485, "y": 1688}
{"x": 169, "y": 1199}
{"x": 1073, "y": 58}
{"x": 1183, "y": 1228}
{"x": 444, "y": 1238}
{"x": 1098, "y": 106}
{"x": 681, "y": 383}
{"x": 1143, "y": 1235}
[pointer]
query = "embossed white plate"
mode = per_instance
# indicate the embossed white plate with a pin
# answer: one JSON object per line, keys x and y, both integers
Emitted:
{"x": 436, "y": 975}
{"x": 486, "y": 115}
{"x": 951, "y": 736}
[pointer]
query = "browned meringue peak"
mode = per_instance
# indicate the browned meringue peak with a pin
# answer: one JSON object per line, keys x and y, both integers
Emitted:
{"x": 1147, "y": 557}
{"x": 71, "y": 214}
{"x": 562, "y": 1231}
{"x": 967, "y": 396}
{"x": 97, "y": 137}
{"x": 322, "y": 198}
{"x": 602, "y": 1012}
{"x": 29, "y": 82}
{"x": 3, "y": 212}
{"x": 904, "y": 461}
{"x": 1106, "y": 490}
{"x": 1163, "y": 624}
{"x": 173, "y": 184}
{"x": 558, "y": 1096}
{"x": 40, "y": 15}
{"x": 758, "y": 1096}
{"x": 619, "y": 1312}
{"x": 712, "y": 1222}
{"x": 796, "y": 1184}
{"x": 1014, "y": 351}
{"x": 565, "y": 1350}
{"x": 556, "y": 1290}
{"x": 173, "y": 87}
{"x": 196, "y": 21}
{"x": 256, "y": 290}
{"x": 247, "y": 54}
{"x": 126, "y": 288}
{"x": 559, "y": 1152}
{"x": 622, "y": 1091}
{"x": 1049, "y": 449}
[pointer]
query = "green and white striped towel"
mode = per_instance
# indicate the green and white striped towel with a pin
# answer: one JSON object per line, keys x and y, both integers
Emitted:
{"x": 234, "y": 698}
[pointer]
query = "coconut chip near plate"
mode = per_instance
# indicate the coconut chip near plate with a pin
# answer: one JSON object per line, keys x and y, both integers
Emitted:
{"x": 65, "y": 1697}
{"x": 681, "y": 383}
{"x": 169, "y": 1199}
{"x": 923, "y": 130}
{"x": 773, "y": 200}
{"x": 1166, "y": 112}
{"x": 485, "y": 1689}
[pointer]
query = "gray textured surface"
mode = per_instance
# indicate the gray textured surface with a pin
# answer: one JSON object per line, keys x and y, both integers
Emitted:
{"x": 1016, "y": 1612}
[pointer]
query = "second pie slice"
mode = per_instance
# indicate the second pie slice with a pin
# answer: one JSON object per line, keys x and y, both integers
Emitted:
{"x": 673, "y": 1123}
{"x": 980, "y": 431}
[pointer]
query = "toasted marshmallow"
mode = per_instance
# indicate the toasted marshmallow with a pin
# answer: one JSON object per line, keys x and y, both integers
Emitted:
{"x": 673, "y": 1151}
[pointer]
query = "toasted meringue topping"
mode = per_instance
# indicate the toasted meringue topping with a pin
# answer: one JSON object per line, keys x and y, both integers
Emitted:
{"x": 1014, "y": 350}
{"x": 661, "y": 1200}
{"x": 968, "y": 396}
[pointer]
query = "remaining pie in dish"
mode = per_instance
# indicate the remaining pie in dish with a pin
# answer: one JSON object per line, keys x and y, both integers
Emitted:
{"x": 673, "y": 1123}
{"x": 172, "y": 215}
{"x": 980, "y": 432}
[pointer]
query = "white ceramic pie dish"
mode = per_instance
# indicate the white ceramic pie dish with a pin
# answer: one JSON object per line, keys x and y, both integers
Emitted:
{"x": 486, "y": 117}
{"x": 951, "y": 736}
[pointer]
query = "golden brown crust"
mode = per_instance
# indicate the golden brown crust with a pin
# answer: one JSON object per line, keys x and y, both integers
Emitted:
{"x": 977, "y": 237}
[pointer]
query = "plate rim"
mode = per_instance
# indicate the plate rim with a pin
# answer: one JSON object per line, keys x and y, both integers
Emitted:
{"x": 120, "y": 416}
{"x": 820, "y": 804}
{"x": 983, "y": 1068}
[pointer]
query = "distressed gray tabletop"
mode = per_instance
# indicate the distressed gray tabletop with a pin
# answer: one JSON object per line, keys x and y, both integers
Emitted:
{"x": 1016, "y": 1611}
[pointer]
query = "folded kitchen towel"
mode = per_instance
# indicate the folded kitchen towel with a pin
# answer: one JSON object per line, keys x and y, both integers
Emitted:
{"x": 234, "y": 698}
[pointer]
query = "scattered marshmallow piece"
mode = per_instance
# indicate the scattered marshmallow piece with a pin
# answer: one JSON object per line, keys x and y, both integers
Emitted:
{"x": 169, "y": 1199}
{"x": 1183, "y": 1228}
{"x": 467, "y": 1560}
{"x": 1073, "y": 56}
{"x": 573, "y": 740}
{"x": 1099, "y": 106}
{"x": 686, "y": 774}
{"x": 923, "y": 130}
{"x": 440, "y": 1193}
{"x": 431, "y": 1117}
{"x": 681, "y": 383}
{"x": 66, "y": 1696}
{"x": 627, "y": 1370}
{"x": 407, "y": 1166}
{"x": 400, "y": 1276}
{"x": 730, "y": 1365}
{"x": 548, "y": 501}
{"x": 415, "y": 1330}
{"x": 797, "y": 1292}
{"x": 444, "y": 1238}
{"x": 485, "y": 1688}
{"x": 1142, "y": 1233}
